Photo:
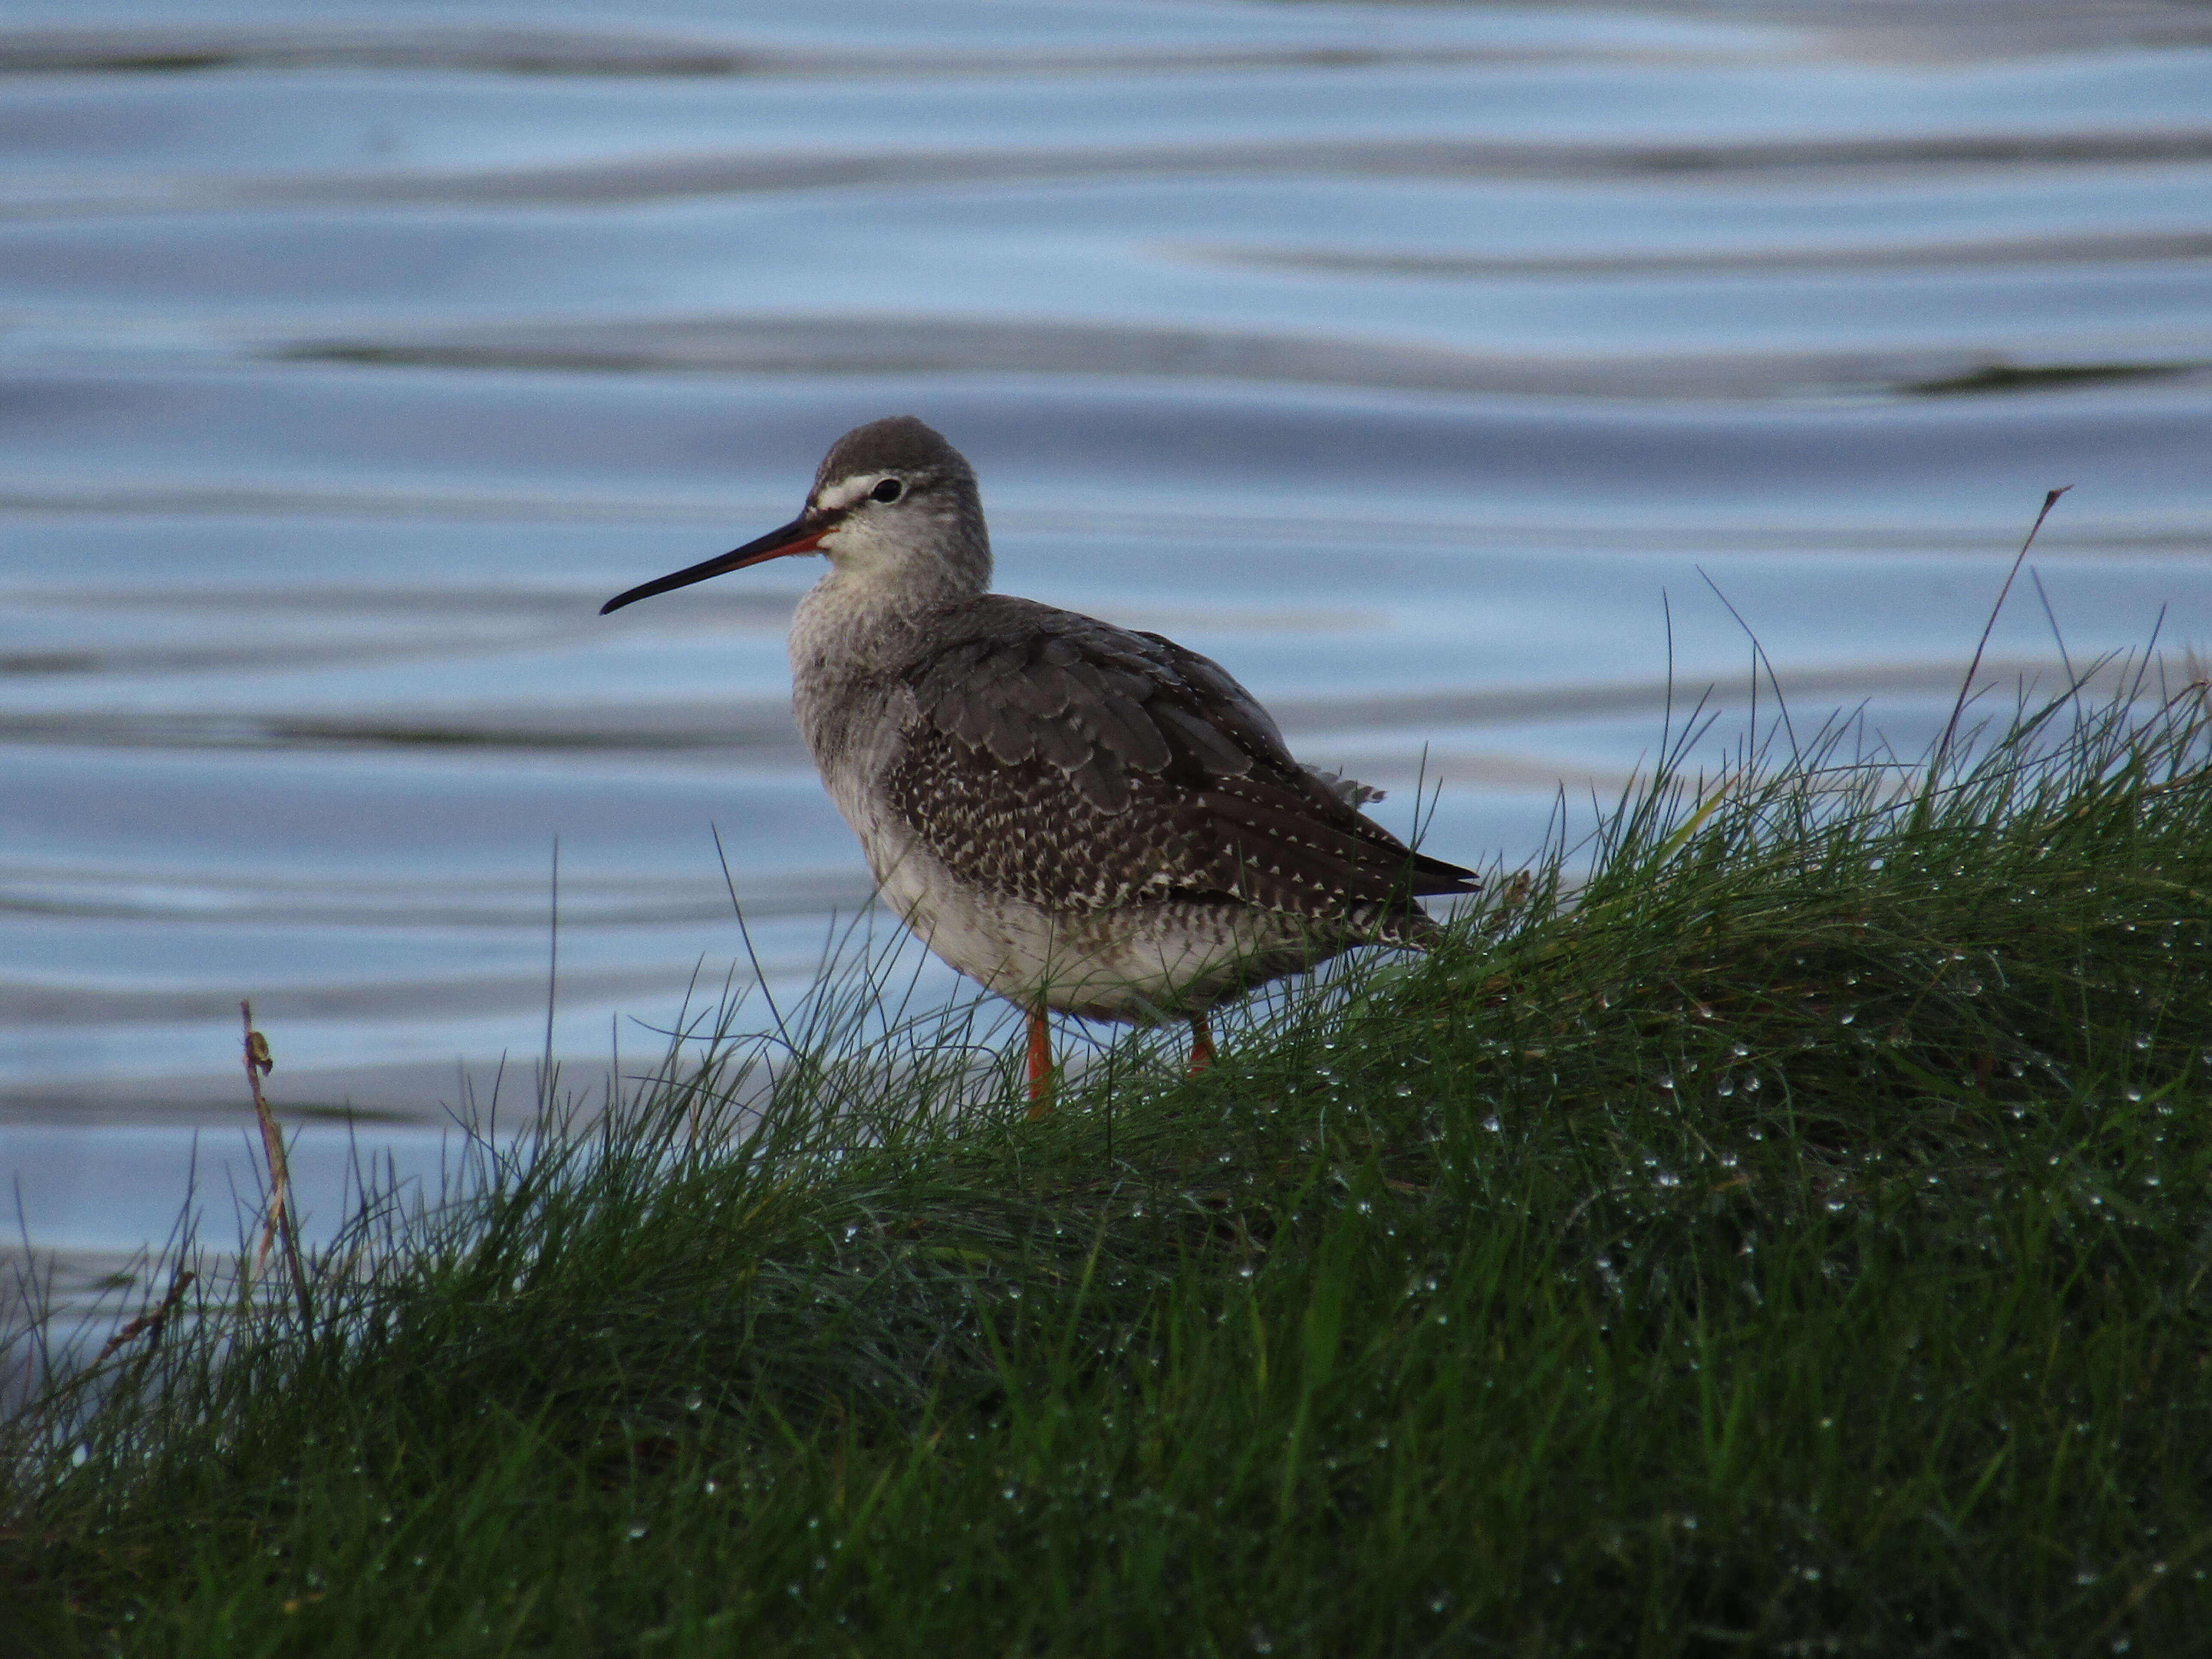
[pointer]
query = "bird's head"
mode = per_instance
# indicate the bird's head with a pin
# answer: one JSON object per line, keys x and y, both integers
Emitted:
{"x": 893, "y": 506}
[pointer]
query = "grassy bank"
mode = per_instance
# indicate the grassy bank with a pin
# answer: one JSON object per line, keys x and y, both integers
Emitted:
{"x": 1796, "y": 1243}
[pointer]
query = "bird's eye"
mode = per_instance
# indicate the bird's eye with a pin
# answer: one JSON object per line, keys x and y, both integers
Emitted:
{"x": 888, "y": 490}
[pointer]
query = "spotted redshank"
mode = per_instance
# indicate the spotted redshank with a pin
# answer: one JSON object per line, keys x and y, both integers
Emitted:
{"x": 1081, "y": 817}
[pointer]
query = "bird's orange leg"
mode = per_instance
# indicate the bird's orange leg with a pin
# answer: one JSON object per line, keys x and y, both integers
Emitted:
{"x": 1201, "y": 1044}
{"x": 1040, "y": 1064}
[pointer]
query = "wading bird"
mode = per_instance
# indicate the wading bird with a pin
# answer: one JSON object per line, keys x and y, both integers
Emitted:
{"x": 1079, "y": 817}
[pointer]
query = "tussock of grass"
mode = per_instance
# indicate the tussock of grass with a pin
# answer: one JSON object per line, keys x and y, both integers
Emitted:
{"x": 1793, "y": 1239}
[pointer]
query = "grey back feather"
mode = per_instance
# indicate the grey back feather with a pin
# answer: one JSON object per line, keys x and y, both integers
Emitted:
{"x": 1078, "y": 764}
{"x": 1095, "y": 701}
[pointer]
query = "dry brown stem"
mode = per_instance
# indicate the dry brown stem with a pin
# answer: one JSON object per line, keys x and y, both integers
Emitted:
{"x": 279, "y": 1223}
{"x": 151, "y": 1323}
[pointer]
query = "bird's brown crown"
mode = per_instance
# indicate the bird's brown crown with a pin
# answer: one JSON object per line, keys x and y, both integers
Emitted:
{"x": 899, "y": 444}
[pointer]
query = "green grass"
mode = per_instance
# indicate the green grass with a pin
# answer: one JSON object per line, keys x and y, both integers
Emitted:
{"x": 1793, "y": 1239}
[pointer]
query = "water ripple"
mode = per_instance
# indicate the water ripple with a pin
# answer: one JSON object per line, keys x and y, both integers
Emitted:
{"x": 1422, "y": 364}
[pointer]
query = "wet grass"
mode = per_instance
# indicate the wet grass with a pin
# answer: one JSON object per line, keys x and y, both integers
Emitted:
{"x": 1792, "y": 1240}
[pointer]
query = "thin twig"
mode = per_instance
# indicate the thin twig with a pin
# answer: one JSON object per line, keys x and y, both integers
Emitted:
{"x": 552, "y": 974}
{"x": 1950, "y": 729}
{"x": 2058, "y": 636}
{"x": 1759, "y": 659}
{"x": 1589, "y": 1199}
{"x": 279, "y": 1224}
{"x": 746, "y": 934}
{"x": 151, "y": 1323}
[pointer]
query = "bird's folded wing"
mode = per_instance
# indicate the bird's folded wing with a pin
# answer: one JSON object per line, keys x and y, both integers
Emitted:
{"x": 1079, "y": 765}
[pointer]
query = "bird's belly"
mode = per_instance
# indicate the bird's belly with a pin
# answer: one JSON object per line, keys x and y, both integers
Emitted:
{"x": 1136, "y": 962}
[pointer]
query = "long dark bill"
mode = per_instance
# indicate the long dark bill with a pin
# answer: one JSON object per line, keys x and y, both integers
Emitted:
{"x": 802, "y": 535}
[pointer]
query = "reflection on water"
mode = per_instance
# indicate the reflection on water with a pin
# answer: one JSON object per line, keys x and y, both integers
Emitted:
{"x": 1437, "y": 368}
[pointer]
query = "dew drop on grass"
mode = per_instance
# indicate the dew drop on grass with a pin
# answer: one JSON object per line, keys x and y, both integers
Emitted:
{"x": 2135, "y": 1094}
{"x": 1847, "y": 1016}
{"x": 1666, "y": 1178}
{"x": 1492, "y": 1124}
{"x": 1404, "y": 1090}
{"x": 1667, "y": 1078}
{"x": 636, "y": 1531}
{"x": 1739, "y": 1050}
{"x": 1729, "y": 1160}
{"x": 1724, "y": 1085}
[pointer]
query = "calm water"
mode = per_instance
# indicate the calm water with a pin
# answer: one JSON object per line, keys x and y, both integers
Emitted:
{"x": 1411, "y": 360}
